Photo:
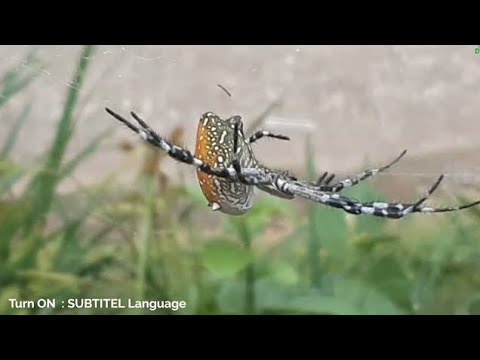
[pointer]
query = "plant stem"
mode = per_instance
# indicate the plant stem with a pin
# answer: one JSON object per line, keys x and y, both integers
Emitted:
{"x": 246, "y": 238}
{"x": 146, "y": 226}
{"x": 250, "y": 289}
{"x": 313, "y": 246}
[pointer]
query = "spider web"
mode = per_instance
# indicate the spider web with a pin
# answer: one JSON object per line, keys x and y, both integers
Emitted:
{"x": 357, "y": 105}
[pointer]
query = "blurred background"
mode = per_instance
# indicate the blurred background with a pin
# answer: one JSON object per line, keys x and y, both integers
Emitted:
{"x": 88, "y": 211}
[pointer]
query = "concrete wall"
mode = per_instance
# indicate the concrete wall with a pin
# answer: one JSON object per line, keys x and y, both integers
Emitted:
{"x": 356, "y": 102}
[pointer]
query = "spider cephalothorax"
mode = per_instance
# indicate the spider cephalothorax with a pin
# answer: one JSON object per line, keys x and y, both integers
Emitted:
{"x": 228, "y": 172}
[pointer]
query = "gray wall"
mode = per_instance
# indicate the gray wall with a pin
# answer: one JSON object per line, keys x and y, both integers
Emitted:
{"x": 356, "y": 102}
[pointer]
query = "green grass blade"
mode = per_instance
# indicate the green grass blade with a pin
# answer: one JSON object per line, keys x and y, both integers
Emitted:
{"x": 42, "y": 187}
{"x": 64, "y": 130}
{"x": 12, "y": 136}
{"x": 12, "y": 82}
{"x": 10, "y": 174}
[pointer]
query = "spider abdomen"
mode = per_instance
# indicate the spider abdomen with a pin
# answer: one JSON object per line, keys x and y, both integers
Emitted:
{"x": 214, "y": 146}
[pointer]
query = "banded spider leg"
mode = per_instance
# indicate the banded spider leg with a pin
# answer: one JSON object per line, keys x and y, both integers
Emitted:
{"x": 354, "y": 180}
{"x": 248, "y": 176}
{"x": 353, "y": 206}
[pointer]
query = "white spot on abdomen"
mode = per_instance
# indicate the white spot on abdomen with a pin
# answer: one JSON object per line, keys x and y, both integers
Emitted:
{"x": 222, "y": 138}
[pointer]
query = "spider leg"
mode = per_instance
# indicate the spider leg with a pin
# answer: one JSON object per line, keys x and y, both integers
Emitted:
{"x": 355, "y": 179}
{"x": 260, "y": 176}
{"x": 397, "y": 210}
{"x": 250, "y": 176}
{"x": 425, "y": 209}
{"x": 174, "y": 151}
{"x": 353, "y": 206}
{"x": 263, "y": 133}
{"x": 235, "y": 161}
{"x": 320, "y": 179}
{"x": 327, "y": 181}
{"x": 272, "y": 188}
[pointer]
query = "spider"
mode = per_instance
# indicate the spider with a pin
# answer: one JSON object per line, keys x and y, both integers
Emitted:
{"x": 228, "y": 172}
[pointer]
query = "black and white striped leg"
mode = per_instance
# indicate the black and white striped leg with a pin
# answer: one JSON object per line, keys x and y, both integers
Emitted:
{"x": 263, "y": 133}
{"x": 355, "y": 179}
{"x": 354, "y": 206}
{"x": 327, "y": 181}
{"x": 248, "y": 176}
{"x": 254, "y": 176}
{"x": 235, "y": 161}
{"x": 395, "y": 210}
{"x": 174, "y": 151}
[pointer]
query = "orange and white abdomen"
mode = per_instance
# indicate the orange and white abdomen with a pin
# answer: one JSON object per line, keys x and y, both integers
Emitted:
{"x": 214, "y": 146}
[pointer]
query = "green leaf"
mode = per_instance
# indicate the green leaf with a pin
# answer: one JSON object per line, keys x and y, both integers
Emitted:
{"x": 365, "y": 300}
{"x": 284, "y": 273}
{"x": 11, "y": 292}
{"x": 50, "y": 278}
{"x": 225, "y": 258}
{"x": 387, "y": 276}
{"x": 230, "y": 298}
{"x": 474, "y": 306}
{"x": 349, "y": 298}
